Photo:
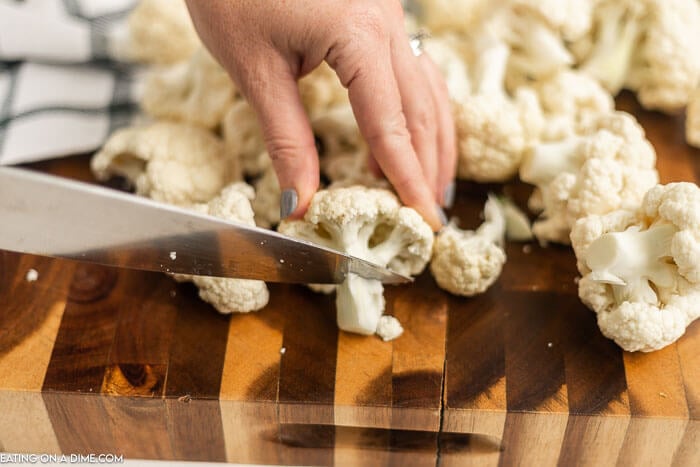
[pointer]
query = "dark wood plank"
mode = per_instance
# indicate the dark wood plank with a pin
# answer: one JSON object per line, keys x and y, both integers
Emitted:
{"x": 193, "y": 383}
{"x": 535, "y": 381}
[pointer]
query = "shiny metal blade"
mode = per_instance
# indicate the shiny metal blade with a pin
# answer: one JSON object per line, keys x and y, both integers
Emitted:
{"x": 52, "y": 216}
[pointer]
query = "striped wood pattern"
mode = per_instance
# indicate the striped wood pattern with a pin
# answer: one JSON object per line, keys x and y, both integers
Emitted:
{"x": 94, "y": 359}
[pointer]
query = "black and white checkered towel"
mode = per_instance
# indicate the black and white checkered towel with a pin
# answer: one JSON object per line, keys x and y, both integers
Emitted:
{"x": 62, "y": 87}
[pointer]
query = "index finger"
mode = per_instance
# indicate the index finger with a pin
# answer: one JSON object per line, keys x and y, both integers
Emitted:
{"x": 376, "y": 102}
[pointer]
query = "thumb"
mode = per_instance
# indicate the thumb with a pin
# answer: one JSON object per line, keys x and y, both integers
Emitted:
{"x": 288, "y": 137}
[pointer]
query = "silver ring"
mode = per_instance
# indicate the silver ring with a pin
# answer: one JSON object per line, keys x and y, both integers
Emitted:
{"x": 415, "y": 40}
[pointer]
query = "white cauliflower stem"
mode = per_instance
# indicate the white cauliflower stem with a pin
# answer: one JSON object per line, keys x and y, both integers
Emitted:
{"x": 372, "y": 225}
{"x": 692, "y": 121}
{"x": 467, "y": 263}
{"x": 641, "y": 269}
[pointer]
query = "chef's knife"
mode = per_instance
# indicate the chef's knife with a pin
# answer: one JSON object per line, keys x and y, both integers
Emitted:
{"x": 52, "y": 216}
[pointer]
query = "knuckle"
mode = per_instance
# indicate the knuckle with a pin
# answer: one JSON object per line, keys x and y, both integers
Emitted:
{"x": 367, "y": 20}
{"x": 423, "y": 122}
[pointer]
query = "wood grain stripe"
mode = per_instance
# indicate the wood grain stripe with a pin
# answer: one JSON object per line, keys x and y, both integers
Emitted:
{"x": 307, "y": 374}
{"x": 475, "y": 388}
{"x": 597, "y": 392}
{"x": 536, "y": 392}
{"x": 30, "y": 313}
{"x": 418, "y": 355}
{"x": 248, "y": 397}
{"x": 688, "y": 453}
{"x": 193, "y": 380}
{"x": 653, "y": 441}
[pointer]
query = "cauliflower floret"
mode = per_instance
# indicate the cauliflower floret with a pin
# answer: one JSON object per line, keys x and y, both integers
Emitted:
{"x": 369, "y": 224}
{"x": 648, "y": 46}
{"x": 198, "y": 91}
{"x": 610, "y": 166}
{"x": 321, "y": 89}
{"x": 494, "y": 129}
{"x": 159, "y": 31}
{"x": 467, "y": 263}
{"x": 337, "y": 131}
{"x": 570, "y": 100}
{"x": 692, "y": 120}
{"x": 230, "y": 295}
{"x": 443, "y": 52}
{"x": 449, "y": 15}
{"x": 641, "y": 268}
{"x": 244, "y": 140}
{"x": 571, "y": 19}
{"x": 171, "y": 162}
{"x": 266, "y": 204}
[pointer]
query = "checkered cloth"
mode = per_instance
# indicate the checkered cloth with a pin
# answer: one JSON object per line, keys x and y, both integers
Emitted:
{"x": 62, "y": 91}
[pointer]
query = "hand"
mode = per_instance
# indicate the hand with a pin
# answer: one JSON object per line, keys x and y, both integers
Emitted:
{"x": 400, "y": 101}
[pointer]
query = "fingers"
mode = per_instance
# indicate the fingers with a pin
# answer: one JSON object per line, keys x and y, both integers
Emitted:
{"x": 376, "y": 101}
{"x": 446, "y": 137}
{"x": 288, "y": 135}
{"x": 418, "y": 106}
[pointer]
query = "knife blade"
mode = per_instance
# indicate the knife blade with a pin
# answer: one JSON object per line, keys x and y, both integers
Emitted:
{"x": 52, "y": 216}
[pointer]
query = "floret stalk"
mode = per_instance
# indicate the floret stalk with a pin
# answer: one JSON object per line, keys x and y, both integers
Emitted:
{"x": 490, "y": 73}
{"x": 612, "y": 54}
{"x": 493, "y": 228}
{"x": 633, "y": 259}
{"x": 545, "y": 161}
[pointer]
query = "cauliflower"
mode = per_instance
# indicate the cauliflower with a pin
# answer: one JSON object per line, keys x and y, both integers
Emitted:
{"x": 266, "y": 204}
{"x": 608, "y": 167}
{"x": 198, "y": 91}
{"x": 372, "y": 225}
{"x": 244, "y": 140}
{"x": 159, "y": 31}
{"x": 444, "y": 53}
{"x": 692, "y": 120}
{"x": 641, "y": 268}
{"x": 449, "y": 15}
{"x": 493, "y": 129}
{"x": 569, "y": 19}
{"x": 648, "y": 46}
{"x": 230, "y": 295}
{"x": 467, "y": 263}
{"x": 570, "y": 100}
{"x": 175, "y": 163}
{"x": 321, "y": 89}
{"x": 336, "y": 131}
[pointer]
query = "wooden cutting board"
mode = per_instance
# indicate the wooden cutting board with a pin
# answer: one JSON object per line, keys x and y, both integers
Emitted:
{"x": 95, "y": 359}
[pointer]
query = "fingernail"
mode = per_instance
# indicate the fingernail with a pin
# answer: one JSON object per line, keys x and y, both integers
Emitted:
{"x": 449, "y": 198}
{"x": 288, "y": 203}
{"x": 441, "y": 214}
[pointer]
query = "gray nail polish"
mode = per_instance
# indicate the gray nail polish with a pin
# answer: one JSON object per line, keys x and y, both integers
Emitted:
{"x": 441, "y": 214}
{"x": 449, "y": 200}
{"x": 288, "y": 203}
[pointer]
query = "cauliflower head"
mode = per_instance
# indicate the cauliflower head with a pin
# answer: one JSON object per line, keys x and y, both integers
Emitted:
{"x": 244, "y": 140}
{"x": 467, "y": 263}
{"x": 230, "y": 295}
{"x": 641, "y": 268}
{"x": 493, "y": 128}
{"x": 170, "y": 162}
{"x": 372, "y": 225}
{"x": 198, "y": 91}
{"x": 159, "y": 32}
{"x": 609, "y": 167}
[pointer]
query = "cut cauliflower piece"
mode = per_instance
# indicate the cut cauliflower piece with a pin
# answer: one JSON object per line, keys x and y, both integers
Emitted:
{"x": 569, "y": 19}
{"x": 170, "y": 162}
{"x": 449, "y": 15}
{"x": 641, "y": 268}
{"x": 692, "y": 120}
{"x": 230, "y": 295}
{"x": 648, "y": 46}
{"x": 467, "y": 263}
{"x": 336, "y": 131}
{"x": 493, "y": 129}
{"x": 198, "y": 91}
{"x": 266, "y": 204}
{"x": 244, "y": 140}
{"x": 159, "y": 31}
{"x": 372, "y": 225}
{"x": 444, "y": 53}
{"x": 610, "y": 166}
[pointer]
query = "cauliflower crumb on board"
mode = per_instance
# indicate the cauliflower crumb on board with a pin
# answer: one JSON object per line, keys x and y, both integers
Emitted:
{"x": 389, "y": 328}
{"x": 32, "y": 275}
